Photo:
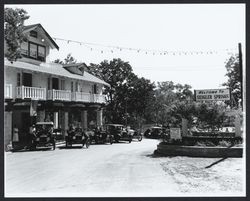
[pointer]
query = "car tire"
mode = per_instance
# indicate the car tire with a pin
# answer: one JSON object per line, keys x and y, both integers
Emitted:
{"x": 111, "y": 140}
{"x": 87, "y": 143}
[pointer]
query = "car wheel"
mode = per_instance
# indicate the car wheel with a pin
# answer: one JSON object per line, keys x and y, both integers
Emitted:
{"x": 87, "y": 144}
{"x": 67, "y": 144}
{"x": 130, "y": 140}
{"x": 111, "y": 140}
{"x": 54, "y": 145}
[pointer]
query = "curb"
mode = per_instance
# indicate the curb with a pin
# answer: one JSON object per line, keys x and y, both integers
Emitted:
{"x": 196, "y": 151}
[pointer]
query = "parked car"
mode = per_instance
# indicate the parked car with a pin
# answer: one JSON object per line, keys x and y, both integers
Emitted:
{"x": 135, "y": 133}
{"x": 102, "y": 136}
{"x": 119, "y": 132}
{"x": 76, "y": 136}
{"x": 43, "y": 136}
{"x": 154, "y": 132}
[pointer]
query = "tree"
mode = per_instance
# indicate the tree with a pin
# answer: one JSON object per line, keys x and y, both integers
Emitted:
{"x": 210, "y": 116}
{"x": 68, "y": 60}
{"x": 233, "y": 82}
{"x": 116, "y": 73}
{"x": 13, "y": 32}
{"x": 172, "y": 103}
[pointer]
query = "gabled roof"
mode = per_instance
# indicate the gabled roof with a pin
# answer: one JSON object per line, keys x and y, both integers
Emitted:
{"x": 54, "y": 69}
{"x": 77, "y": 68}
{"x": 34, "y": 26}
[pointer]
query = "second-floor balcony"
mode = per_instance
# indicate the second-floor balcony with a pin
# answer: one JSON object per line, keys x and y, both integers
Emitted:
{"x": 63, "y": 95}
{"x": 33, "y": 93}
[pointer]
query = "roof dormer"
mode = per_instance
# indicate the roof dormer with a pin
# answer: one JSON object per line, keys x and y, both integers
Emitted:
{"x": 38, "y": 44}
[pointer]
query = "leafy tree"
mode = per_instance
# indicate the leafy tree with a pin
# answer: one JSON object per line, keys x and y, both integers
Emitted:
{"x": 233, "y": 74}
{"x": 210, "y": 116}
{"x": 172, "y": 103}
{"x": 68, "y": 60}
{"x": 116, "y": 73}
{"x": 128, "y": 95}
{"x": 13, "y": 32}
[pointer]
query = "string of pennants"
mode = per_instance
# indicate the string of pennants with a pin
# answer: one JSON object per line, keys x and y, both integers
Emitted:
{"x": 114, "y": 49}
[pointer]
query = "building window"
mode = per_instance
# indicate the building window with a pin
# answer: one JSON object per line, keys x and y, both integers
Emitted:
{"x": 49, "y": 84}
{"x": 76, "y": 86}
{"x": 18, "y": 79}
{"x": 72, "y": 86}
{"x": 33, "y": 34}
{"x": 35, "y": 51}
{"x": 62, "y": 84}
{"x": 41, "y": 53}
{"x": 94, "y": 89}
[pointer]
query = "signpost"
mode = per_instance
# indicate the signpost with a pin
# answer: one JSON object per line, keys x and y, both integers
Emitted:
{"x": 212, "y": 95}
{"x": 175, "y": 133}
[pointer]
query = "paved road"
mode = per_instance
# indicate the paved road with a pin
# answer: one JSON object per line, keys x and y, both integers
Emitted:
{"x": 120, "y": 170}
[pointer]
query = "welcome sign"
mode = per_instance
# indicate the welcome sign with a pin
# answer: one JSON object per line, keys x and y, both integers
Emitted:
{"x": 212, "y": 95}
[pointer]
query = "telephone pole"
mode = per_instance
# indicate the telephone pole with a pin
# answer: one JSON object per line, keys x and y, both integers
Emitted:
{"x": 241, "y": 77}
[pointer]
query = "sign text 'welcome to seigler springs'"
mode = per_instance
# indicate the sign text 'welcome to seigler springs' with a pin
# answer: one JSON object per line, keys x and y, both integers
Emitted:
{"x": 212, "y": 95}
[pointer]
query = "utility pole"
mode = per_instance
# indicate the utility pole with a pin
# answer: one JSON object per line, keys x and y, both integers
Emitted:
{"x": 241, "y": 77}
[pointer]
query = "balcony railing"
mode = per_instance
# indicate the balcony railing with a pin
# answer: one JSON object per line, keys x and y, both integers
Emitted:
{"x": 99, "y": 98}
{"x": 32, "y": 93}
{"x": 63, "y": 95}
{"x": 87, "y": 97}
{"x": 81, "y": 97}
{"x": 8, "y": 91}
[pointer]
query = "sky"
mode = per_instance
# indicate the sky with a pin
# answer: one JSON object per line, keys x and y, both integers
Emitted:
{"x": 197, "y": 39}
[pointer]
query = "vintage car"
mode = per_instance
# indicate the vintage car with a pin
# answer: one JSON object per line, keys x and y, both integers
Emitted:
{"x": 154, "y": 132}
{"x": 43, "y": 136}
{"x": 119, "y": 132}
{"x": 102, "y": 136}
{"x": 76, "y": 136}
{"x": 136, "y": 135}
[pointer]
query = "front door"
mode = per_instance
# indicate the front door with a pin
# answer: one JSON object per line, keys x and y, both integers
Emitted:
{"x": 27, "y": 79}
{"x": 55, "y": 83}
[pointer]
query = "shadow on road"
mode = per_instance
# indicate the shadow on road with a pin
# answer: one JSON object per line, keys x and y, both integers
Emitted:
{"x": 27, "y": 150}
{"x": 216, "y": 162}
{"x": 73, "y": 147}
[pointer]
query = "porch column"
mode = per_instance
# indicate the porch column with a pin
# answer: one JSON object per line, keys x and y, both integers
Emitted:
{"x": 65, "y": 122}
{"x": 238, "y": 132}
{"x": 55, "y": 120}
{"x": 84, "y": 120}
{"x": 99, "y": 117}
{"x": 7, "y": 127}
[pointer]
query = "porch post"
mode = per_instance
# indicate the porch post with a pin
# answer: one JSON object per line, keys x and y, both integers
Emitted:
{"x": 65, "y": 122}
{"x": 7, "y": 127}
{"x": 238, "y": 132}
{"x": 99, "y": 117}
{"x": 84, "y": 119}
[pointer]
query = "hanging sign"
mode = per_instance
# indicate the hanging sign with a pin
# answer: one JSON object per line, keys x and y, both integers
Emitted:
{"x": 175, "y": 133}
{"x": 212, "y": 95}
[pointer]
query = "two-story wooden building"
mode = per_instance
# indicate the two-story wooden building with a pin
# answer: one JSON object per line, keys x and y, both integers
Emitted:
{"x": 37, "y": 89}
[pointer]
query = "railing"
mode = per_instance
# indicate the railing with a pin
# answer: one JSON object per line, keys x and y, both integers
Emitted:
{"x": 87, "y": 97}
{"x": 8, "y": 91}
{"x": 99, "y": 98}
{"x": 81, "y": 97}
{"x": 33, "y": 93}
{"x": 63, "y": 95}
